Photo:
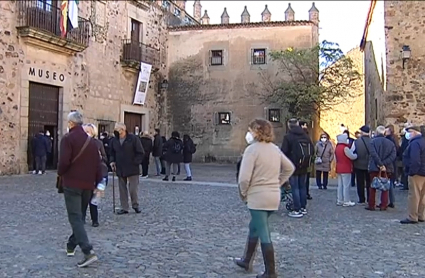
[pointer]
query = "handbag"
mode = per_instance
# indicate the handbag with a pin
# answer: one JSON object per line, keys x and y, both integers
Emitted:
{"x": 59, "y": 182}
{"x": 318, "y": 160}
{"x": 381, "y": 183}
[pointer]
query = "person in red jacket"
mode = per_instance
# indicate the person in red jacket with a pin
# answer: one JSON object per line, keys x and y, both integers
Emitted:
{"x": 344, "y": 167}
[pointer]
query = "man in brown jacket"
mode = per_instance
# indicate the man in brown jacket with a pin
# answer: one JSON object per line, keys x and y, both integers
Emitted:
{"x": 80, "y": 169}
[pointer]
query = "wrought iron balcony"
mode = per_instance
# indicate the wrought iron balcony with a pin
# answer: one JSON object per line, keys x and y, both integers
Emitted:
{"x": 39, "y": 24}
{"x": 133, "y": 53}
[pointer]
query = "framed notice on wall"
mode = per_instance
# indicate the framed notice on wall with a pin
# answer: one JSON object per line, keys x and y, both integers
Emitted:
{"x": 142, "y": 84}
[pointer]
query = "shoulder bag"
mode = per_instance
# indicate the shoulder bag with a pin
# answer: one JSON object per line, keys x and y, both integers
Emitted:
{"x": 59, "y": 184}
{"x": 318, "y": 160}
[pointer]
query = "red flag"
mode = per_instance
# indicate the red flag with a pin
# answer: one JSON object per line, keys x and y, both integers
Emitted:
{"x": 64, "y": 18}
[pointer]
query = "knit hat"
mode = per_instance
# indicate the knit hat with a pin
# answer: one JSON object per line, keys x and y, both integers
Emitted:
{"x": 342, "y": 138}
{"x": 365, "y": 129}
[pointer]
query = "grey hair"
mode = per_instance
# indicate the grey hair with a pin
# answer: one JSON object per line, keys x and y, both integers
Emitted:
{"x": 75, "y": 117}
{"x": 380, "y": 130}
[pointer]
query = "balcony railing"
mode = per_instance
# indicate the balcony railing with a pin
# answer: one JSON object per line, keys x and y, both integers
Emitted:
{"x": 136, "y": 52}
{"x": 44, "y": 16}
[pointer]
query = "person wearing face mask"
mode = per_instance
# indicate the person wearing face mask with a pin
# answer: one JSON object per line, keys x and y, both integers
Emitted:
{"x": 350, "y": 142}
{"x": 264, "y": 168}
{"x": 126, "y": 155}
{"x": 390, "y": 135}
{"x": 414, "y": 163}
{"x": 304, "y": 126}
{"x": 324, "y": 153}
{"x": 91, "y": 131}
{"x": 361, "y": 147}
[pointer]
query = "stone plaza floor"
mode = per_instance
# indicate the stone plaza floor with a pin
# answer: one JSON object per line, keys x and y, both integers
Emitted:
{"x": 195, "y": 229}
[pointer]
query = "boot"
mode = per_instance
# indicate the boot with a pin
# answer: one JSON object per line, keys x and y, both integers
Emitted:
{"x": 269, "y": 263}
{"x": 246, "y": 261}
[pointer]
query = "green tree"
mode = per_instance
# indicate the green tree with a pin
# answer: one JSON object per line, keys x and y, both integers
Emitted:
{"x": 310, "y": 80}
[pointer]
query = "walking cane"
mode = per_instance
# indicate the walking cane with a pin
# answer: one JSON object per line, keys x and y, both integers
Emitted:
{"x": 113, "y": 190}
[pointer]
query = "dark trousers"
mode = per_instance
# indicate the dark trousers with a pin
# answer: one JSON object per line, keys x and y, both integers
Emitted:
{"x": 74, "y": 200}
{"x": 363, "y": 183}
{"x": 319, "y": 181}
{"x": 163, "y": 166}
{"x": 405, "y": 180}
{"x": 40, "y": 163}
{"x": 353, "y": 179}
{"x": 299, "y": 191}
{"x": 94, "y": 214}
{"x": 145, "y": 166}
{"x": 259, "y": 225}
{"x": 307, "y": 184}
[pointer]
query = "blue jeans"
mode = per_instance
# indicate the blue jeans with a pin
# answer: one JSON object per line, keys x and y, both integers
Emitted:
{"x": 299, "y": 191}
{"x": 157, "y": 165}
{"x": 259, "y": 225}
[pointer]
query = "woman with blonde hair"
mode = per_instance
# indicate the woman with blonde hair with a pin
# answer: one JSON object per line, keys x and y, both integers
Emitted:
{"x": 264, "y": 169}
{"x": 91, "y": 131}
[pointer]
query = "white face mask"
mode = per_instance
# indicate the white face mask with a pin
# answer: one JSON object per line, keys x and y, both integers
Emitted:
{"x": 88, "y": 134}
{"x": 47, "y": 133}
{"x": 323, "y": 139}
{"x": 249, "y": 138}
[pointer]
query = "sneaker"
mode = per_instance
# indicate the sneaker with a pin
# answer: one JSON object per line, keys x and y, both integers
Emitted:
{"x": 34, "y": 172}
{"x": 295, "y": 214}
{"x": 88, "y": 259}
{"x": 174, "y": 179}
{"x": 188, "y": 179}
{"x": 339, "y": 203}
{"x": 40, "y": 173}
{"x": 145, "y": 177}
{"x": 303, "y": 211}
{"x": 348, "y": 204}
{"x": 165, "y": 178}
{"x": 70, "y": 253}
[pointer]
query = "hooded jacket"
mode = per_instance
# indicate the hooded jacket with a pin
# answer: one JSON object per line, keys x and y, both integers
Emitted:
{"x": 344, "y": 156}
{"x": 291, "y": 141}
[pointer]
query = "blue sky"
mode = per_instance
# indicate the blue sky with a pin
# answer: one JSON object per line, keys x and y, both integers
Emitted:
{"x": 340, "y": 21}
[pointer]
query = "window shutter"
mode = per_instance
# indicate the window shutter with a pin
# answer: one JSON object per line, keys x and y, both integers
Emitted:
{"x": 266, "y": 113}
{"x": 231, "y": 117}
{"x": 252, "y": 56}
{"x": 210, "y": 58}
{"x": 215, "y": 118}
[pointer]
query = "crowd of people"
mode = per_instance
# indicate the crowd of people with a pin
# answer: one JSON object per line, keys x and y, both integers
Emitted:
{"x": 371, "y": 160}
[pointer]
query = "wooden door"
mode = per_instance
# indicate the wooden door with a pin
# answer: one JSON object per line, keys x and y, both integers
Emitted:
{"x": 43, "y": 115}
{"x": 136, "y": 31}
{"x": 133, "y": 120}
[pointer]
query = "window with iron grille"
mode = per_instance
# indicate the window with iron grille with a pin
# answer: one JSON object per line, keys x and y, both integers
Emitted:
{"x": 224, "y": 118}
{"x": 274, "y": 115}
{"x": 259, "y": 56}
{"x": 216, "y": 57}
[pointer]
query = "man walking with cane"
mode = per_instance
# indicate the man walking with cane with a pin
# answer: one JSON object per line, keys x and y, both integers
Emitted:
{"x": 126, "y": 156}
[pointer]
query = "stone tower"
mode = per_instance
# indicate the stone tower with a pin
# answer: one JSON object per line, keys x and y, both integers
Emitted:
{"x": 197, "y": 10}
{"x": 313, "y": 14}
{"x": 225, "y": 18}
{"x": 289, "y": 13}
{"x": 245, "y": 17}
{"x": 205, "y": 18}
{"x": 266, "y": 15}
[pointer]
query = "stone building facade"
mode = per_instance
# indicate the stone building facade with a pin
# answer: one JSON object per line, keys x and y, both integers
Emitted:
{"x": 404, "y": 95}
{"x": 44, "y": 76}
{"x": 215, "y": 87}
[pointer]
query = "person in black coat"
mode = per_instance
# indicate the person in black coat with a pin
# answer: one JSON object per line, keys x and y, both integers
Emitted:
{"x": 40, "y": 149}
{"x": 157, "y": 151}
{"x": 189, "y": 148}
{"x": 147, "y": 145}
{"x": 162, "y": 158}
{"x": 174, "y": 154}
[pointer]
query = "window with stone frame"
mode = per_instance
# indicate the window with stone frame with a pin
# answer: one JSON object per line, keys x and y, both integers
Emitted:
{"x": 224, "y": 118}
{"x": 216, "y": 57}
{"x": 258, "y": 56}
{"x": 274, "y": 115}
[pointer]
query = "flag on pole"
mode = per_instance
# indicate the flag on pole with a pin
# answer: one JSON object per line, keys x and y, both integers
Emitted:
{"x": 73, "y": 13}
{"x": 64, "y": 18}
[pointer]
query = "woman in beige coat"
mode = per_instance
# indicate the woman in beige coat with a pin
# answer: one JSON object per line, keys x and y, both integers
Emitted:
{"x": 264, "y": 169}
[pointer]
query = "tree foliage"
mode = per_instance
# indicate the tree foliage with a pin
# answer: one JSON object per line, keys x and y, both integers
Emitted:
{"x": 310, "y": 80}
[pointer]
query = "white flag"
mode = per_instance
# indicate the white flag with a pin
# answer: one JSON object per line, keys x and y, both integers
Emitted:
{"x": 73, "y": 13}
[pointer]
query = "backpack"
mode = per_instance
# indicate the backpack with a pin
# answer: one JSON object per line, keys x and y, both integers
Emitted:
{"x": 177, "y": 148}
{"x": 302, "y": 154}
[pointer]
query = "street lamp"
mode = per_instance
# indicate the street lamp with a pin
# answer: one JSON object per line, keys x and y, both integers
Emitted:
{"x": 406, "y": 52}
{"x": 163, "y": 85}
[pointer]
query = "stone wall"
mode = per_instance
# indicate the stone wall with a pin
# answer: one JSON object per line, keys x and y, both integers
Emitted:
{"x": 374, "y": 105}
{"x": 96, "y": 84}
{"x": 198, "y": 91}
{"x": 404, "y": 97}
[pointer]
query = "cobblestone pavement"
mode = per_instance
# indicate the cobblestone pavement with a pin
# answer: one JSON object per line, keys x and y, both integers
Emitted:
{"x": 194, "y": 230}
